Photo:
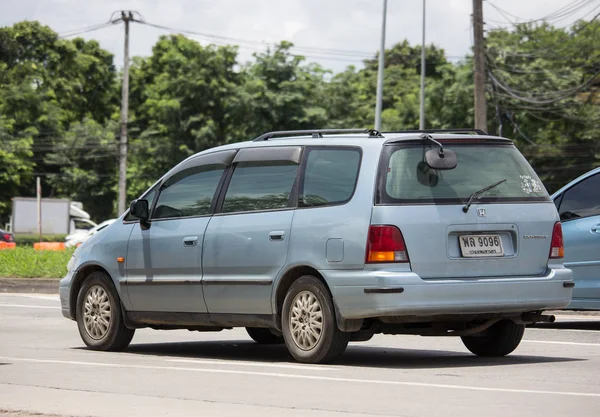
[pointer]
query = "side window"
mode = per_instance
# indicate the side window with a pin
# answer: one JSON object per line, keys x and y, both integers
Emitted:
{"x": 265, "y": 185}
{"x": 330, "y": 176}
{"x": 150, "y": 196}
{"x": 581, "y": 200}
{"x": 189, "y": 192}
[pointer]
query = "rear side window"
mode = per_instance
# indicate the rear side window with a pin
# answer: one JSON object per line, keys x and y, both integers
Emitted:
{"x": 581, "y": 200}
{"x": 265, "y": 185}
{"x": 329, "y": 177}
{"x": 189, "y": 192}
{"x": 406, "y": 179}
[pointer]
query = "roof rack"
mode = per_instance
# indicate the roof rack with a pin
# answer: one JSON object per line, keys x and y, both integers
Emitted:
{"x": 317, "y": 133}
{"x": 467, "y": 130}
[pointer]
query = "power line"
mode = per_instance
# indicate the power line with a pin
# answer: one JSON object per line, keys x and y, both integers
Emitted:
{"x": 84, "y": 30}
{"x": 564, "y": 94}
{"x": 557, "y": 15}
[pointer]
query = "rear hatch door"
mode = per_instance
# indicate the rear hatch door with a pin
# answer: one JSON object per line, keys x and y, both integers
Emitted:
{"x": 507, "y": 231}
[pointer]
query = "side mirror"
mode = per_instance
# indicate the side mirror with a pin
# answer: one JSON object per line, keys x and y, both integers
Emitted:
{"x": 441, "y": 159}
{"x": 139, "y": 209}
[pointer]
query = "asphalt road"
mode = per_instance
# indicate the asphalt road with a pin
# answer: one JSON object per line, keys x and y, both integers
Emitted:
{"x": 45, "y": 369}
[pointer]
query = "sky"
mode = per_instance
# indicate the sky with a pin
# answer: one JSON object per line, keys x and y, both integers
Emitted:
{"x": 346, "y": 25}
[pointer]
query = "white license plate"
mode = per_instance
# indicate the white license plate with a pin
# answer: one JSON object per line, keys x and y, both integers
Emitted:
{"x": 474, "y": 246}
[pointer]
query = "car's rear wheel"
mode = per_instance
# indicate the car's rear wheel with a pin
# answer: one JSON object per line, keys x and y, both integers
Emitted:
{"x": 308, "y": 321}
{"x": 99, "y": 316}
{"x": 499, "y": 340}
{"x": 264, "y": 336}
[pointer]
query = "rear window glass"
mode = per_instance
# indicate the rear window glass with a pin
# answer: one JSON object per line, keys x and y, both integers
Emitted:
{"x": 406, "y": 178}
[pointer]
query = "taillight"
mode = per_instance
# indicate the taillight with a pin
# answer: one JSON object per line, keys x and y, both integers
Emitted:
{"x": 8, "y": 237}
{"x": 557, "y": 248}
{"x": 386, "y": 244}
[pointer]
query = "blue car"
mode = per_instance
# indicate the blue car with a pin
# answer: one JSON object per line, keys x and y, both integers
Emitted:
{"x": 578, "y": 204}
{"x": 318, "y": 238}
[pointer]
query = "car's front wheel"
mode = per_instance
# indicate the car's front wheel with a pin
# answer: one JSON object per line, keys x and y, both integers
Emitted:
{"x": 308, "y": 321}
{"x": 499, "y": 340}
{"x": 99, "y": 316}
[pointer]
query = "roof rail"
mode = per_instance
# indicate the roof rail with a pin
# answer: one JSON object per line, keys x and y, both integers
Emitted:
{"x": 467, "y": 130}
{"x": 317, "y": 133}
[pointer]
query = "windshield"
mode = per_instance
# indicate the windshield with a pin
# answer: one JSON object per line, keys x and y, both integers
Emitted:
{"x": 405, "y": 178}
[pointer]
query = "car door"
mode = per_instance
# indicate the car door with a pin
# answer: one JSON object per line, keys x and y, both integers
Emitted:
{"x": 164, "y": 256}
{"x": 246, "y": 242}
{"x": 579, "y": 210}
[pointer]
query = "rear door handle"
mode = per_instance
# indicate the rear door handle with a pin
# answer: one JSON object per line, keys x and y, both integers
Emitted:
{"x": 595, "y": 229}
{"x": 190, "y": 241}
{"x": 277, "y": 235}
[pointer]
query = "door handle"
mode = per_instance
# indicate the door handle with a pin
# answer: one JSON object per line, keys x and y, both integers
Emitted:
{"x": 190, "y": 241}
{"x": 595, "y": 229}
{"x": 277, "y": 235}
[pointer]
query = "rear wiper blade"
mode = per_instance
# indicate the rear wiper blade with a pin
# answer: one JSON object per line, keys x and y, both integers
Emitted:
{"x": 479, "y": 192}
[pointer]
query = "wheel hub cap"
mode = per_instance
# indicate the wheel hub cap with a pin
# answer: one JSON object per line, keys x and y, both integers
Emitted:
{"x": 306, "y": 320}
{"x": 97, "y": 312}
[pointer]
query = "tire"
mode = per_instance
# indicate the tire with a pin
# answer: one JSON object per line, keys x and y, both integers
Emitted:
{"x": 109, "y": 334}
{"x": 302, "y": 344}
{"x": 499, "y": 340}
{"x": 264, "y": 336}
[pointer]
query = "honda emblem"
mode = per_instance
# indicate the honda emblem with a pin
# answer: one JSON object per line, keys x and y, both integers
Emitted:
{"x": 481, "y": 212}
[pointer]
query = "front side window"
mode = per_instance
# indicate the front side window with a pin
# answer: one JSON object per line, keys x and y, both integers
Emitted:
{"x": 405, "y": 177}
{"x": 265, "y": 185}
{"x": 330, "y": 176}
{"x": 189, "y": 192}
{"x": 581, "y": 200}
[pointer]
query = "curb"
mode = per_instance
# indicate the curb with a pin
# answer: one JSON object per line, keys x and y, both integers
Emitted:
{"x": 29, "y": 285}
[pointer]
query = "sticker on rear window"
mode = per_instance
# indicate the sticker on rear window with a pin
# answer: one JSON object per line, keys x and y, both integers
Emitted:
{"x": 530, "y": 185}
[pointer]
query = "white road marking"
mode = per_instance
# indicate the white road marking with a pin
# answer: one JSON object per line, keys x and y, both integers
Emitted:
{"x": 555, "y": 342}
{"x": 29, "y": 306}
{"x": 52, "y": 297}
{"x": 562, "y": 330}
{"x": 561, "y": 319}
{"x": 255, "y": 364}
{"x": 309, "y": 377}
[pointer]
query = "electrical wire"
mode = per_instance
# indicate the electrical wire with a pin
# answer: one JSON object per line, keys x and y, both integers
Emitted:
{"x": 562, "y": 94}
{"x": 84, "y": 30}
{"x": 557, "y": 15}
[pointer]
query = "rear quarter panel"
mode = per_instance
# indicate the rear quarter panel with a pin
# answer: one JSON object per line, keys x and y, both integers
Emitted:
{"x": 348, "y": 224}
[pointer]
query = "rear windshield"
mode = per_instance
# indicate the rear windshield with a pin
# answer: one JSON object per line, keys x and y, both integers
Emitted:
{"x": 406, "y": 179}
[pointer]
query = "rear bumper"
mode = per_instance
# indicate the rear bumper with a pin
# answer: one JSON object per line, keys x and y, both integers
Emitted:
{"x": 369, "y": 294}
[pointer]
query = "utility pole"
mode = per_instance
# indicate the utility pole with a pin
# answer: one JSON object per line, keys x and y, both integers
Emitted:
{"x": 379, "y": 100}
{"x": 422, "y": 110}
{"x": 38, "y": 194}
{"x": 479, "y": 67}
{"x": 126, "y": 17}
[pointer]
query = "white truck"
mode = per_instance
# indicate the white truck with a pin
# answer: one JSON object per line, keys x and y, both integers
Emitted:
{"x": 59, "y": 216}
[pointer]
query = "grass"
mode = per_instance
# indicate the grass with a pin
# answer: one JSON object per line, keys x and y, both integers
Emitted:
{"x": 25, "y": 262}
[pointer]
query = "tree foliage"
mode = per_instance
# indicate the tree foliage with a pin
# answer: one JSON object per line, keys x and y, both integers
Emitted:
{"x": 60, "y": 100}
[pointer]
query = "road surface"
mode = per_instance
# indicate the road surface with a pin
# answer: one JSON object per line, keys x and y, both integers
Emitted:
{"x": 45, "y": 369}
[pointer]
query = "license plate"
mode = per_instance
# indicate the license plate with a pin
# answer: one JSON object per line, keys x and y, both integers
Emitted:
{"x": 475, "y": 246}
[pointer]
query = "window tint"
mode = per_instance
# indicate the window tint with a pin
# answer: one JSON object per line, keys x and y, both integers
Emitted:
{"x": 330, "y": 176}
{"x": 260, "y": 186}
{"x": 406, "y": 178}
{"x": 189, "y": 192}
{"x": 150, "y": 195}
{"x": 581, "y": 200}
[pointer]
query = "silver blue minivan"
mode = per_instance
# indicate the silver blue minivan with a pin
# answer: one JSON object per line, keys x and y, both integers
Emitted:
{"x": 319, "y": 238}
{"x": 578, "y": 205}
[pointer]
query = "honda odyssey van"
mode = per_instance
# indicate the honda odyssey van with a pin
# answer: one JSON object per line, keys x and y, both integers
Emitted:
{"x": 319, "y": 238}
